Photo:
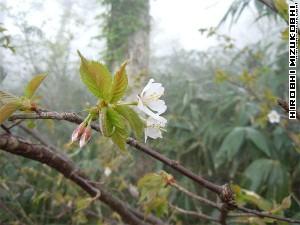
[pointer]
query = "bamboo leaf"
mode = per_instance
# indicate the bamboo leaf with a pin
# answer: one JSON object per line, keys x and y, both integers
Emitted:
{"x": 258, "y": 139}
{"x": 231, "y": 145}
{"x": 96, "y": 77}
{"x": 33, "y": 85}
{"x": 7, "y": 110}
{"x": 120, "y": 83}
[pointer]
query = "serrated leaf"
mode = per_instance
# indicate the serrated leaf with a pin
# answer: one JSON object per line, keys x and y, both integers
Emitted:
{"x": 119, "y": 137}
{"x": 258, "y": 139}
{"x": 106, "y": 127}
{"x": 96, "y": 77}
{"x": 154, "y": 193}
{"x": 116, "y": 119}
{"x": 33, "y": 85}
{"x": 113, "y": 124}
{"x": 133, "y": 119}
{"x": 7, "y": 110}
{"x": 6, "y": 97}
{"x": 120, "y": 84}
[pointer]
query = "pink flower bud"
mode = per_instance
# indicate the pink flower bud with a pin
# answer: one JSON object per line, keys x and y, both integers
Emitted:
{"x": 86, "y": 136}
{"x": 78, "y": 132}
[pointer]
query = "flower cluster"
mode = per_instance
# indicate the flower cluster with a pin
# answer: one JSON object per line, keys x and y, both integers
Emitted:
{"x": 150, "y": 103}
{"x": 82, "y": 133}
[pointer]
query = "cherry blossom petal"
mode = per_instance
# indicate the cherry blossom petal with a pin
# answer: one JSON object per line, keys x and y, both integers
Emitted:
{"x": 152, "y": 132}
{"x": 147, "y": 86}
{"x": 159, "y": 106}
{"x": 146, "y": 110}
{"x": 155, "y": 91}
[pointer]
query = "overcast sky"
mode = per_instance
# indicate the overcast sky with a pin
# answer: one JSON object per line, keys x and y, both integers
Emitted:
{"x": 175, "y": 23}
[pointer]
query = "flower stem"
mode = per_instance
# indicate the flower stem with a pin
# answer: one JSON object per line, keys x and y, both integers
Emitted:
{"x": 129, "y": 103}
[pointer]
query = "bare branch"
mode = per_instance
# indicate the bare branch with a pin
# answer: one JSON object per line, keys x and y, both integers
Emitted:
{"x": 197, "y": 197}
{"x": 74, "y": 118}
{"x": 223, "y": 192}
{"x": 196, "y": 214}
{"x": 284, "y": 104}
{"x": 66, "y": 167}
{"x": 267, "y": 215}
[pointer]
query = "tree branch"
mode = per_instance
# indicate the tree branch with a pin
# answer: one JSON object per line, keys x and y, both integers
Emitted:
{"x": 196, "y": 214}
{"x": 224, "y": 192}
{"x": 267, "y": 215}
{"x": 74, "y": 118}
{"x": 197, "y": 197}
{"x": 66, "y": 167}
{"x": 285, "y": 106}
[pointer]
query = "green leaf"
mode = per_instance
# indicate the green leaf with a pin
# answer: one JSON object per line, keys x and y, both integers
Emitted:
{"x": 286, "y": 202}
{"x": 258, "y": 139}
{"x": 120, "y": 83}
{"x": 269, "y": 173}
{"x": 154, "y": 192}
{"x": 115, "y": 118}
{"x": 33, "y": 85}
{"x": 83, "y": 203}
{"x": 112, "y": 125}
{"x": 245, "y": 196}
{"x": 231, "y": 145}
{"x": 133, "y": 119}
{"x": 119, "y": 137}
{"x": 96, "y": 77}
{"x": 7, "y": 110}
{"x": 106, "y": 127}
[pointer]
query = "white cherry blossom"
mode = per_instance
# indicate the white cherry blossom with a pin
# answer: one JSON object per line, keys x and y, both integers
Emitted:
{"x": 149, "y": 102}
{"x": 154, "y": 128}
{"x": 274, "y": 117}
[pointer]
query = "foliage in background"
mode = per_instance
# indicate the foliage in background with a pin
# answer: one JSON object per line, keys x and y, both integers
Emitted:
{"x": 121, "y": 21}
{"x": 218, "y": 128}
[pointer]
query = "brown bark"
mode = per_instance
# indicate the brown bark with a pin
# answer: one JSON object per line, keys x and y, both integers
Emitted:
{"x": 66, "y": 167}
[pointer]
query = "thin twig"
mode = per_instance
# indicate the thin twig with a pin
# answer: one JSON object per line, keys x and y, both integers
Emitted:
{"x": 37, "y": 137}
{"x": 267, "y": 215}
{"x": 196, "y": 214}
{"x": 5, "y": 128}
{"x": 220, "y": 190}
{"x": 197, "y": 197}
{"x": 15, "y": 124}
